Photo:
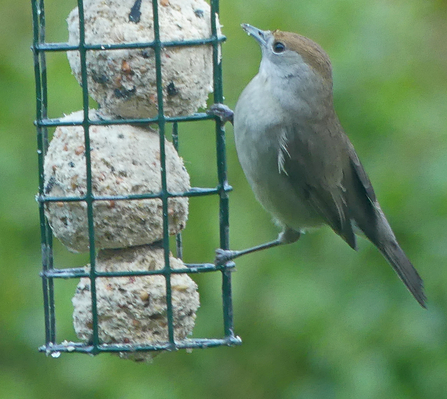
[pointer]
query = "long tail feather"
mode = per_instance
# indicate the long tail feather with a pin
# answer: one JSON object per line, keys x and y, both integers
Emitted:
{"x": 405, "y": 270}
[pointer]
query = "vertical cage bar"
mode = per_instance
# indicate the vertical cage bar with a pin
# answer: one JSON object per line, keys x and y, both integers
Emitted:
{"x": 175, "y": 136}
{"x": 164, "y": 188}
{"x": 178, "y": 237}
{"x": 222, "y": 176}
{"x": 42, "y": 145}
{"x": 89, "y": 188}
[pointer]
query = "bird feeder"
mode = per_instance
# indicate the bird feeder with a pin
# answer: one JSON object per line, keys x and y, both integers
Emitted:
{"x": 111, "y": 184}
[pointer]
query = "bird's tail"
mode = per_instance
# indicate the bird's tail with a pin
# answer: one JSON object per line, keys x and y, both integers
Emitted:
{"x": 403, "y": 267}
{"x": 370, "y": 219}
{"x": 379, "y": 232}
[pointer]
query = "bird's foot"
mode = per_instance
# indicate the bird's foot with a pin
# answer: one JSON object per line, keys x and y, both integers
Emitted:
{"x": 223, "y": 256}
{"x": 223, "y": 112}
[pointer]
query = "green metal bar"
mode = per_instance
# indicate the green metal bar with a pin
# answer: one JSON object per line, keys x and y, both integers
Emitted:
{"x": 192, "y": 268}
{"x": 40, "y": 150}
{"x": 194, "y": 192}
{"x": 164, "y": 186}
{"x": 222, "y": 177}
{"x": 188, "y": 343}
{"x": 175, "y": 141}
{"x": 140, "y": 121}
{"x": 52, "y": 47}
{"x": 88, "y": 165}
{"x": 42, "y": 145}
{"x": 178, "y": 237}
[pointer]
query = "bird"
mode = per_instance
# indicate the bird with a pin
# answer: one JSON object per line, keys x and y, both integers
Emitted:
{"x": 297, "y": 158}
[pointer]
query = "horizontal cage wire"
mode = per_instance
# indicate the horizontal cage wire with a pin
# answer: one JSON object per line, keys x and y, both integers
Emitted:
{"x": 50, "y": 273}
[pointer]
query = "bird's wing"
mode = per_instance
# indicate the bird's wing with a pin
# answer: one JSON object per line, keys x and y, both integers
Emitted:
{"x": 329, "y": 175}
{"x": 314, "y": 168}
{"x": 360, "y": 173}
{"x": 360, "y": 196}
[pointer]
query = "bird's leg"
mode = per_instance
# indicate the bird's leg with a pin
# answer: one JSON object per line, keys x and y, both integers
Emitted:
{"x": 224, "y": 113}
{"x": 287, "y": 236}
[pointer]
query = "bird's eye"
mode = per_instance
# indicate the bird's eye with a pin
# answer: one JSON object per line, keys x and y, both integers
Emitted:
{"x": 278, "y": 47}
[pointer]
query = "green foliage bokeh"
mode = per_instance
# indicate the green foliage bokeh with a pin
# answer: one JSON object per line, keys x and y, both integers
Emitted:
{"x": 317, "y": 319}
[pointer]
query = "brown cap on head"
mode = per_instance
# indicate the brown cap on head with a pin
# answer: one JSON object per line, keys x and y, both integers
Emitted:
{"x": 311, "y": 52}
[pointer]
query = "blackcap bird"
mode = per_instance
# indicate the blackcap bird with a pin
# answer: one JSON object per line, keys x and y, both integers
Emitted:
{"x": 298, "y": 160}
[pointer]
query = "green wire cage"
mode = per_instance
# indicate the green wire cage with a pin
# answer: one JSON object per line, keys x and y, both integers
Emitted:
{"x": 52, "y": 272}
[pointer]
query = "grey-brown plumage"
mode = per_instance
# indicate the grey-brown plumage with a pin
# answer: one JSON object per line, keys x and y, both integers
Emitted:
{"x": 297, "y": 158}
{"x": 348, "y": 204}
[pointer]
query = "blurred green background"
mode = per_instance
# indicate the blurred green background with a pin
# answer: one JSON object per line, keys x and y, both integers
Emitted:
{"x": 317, "y": 319}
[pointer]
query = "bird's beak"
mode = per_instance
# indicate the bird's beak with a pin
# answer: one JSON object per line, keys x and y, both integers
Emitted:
{"x": 261, "y": 36}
